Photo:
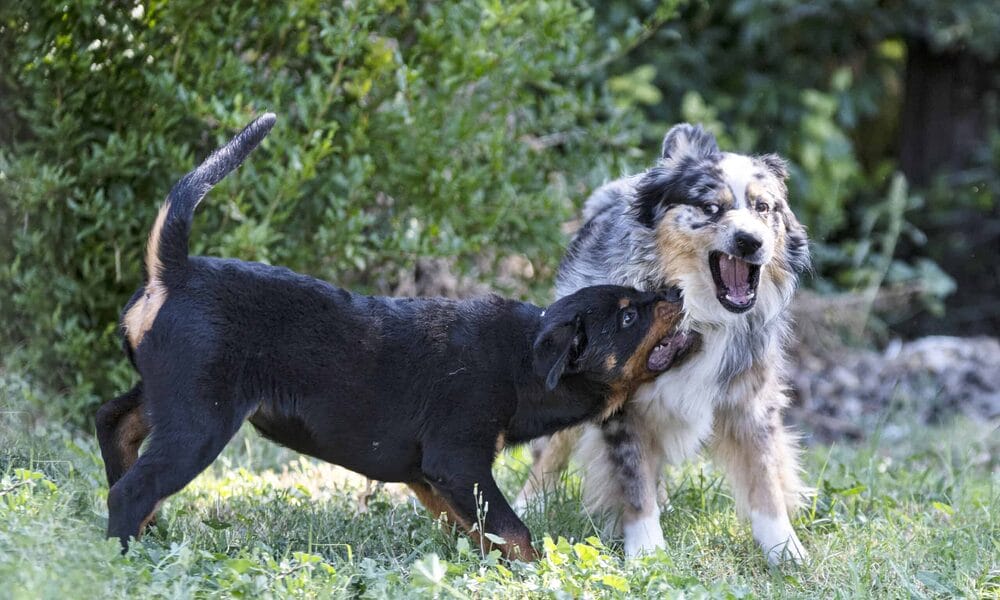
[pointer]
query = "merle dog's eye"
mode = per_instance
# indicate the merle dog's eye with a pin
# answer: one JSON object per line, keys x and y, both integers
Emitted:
{"x": 763, "y": 207}
{"x": 628, "y": 316}
{"x": 710, "y": 209}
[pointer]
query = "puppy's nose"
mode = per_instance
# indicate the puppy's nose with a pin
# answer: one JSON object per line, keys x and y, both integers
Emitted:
{"x": 671, "y": 294}
{"x": 747, "y": 243}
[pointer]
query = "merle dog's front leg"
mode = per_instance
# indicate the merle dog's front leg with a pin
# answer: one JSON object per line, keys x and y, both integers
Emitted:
{"x": 633, "y": 468}
{"x": 760, "y": 459}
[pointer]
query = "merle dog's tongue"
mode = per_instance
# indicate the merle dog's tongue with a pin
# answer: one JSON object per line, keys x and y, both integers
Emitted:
{"x": 736, "y": 275}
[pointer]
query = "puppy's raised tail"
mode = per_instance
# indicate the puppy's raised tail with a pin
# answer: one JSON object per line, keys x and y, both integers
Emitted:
{"x": 167, "y": 248}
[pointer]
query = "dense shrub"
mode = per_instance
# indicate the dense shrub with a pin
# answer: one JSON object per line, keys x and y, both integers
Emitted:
{"x": 405, "y": 130}
{"x": 461, "y": 129}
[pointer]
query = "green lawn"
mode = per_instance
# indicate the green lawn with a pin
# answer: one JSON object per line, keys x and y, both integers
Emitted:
{"x": 918, "y": 517}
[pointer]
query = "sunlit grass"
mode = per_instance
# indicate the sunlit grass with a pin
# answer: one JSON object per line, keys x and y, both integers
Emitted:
{"x": 917, "y": 518}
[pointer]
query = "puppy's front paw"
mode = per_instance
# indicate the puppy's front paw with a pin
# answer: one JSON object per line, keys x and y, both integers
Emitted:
{"x": 643, "y": 536}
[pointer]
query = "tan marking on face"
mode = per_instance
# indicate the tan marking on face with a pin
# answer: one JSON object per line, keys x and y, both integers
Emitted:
{"x": 622, "y": 303}
{"x": 680, "y": 251}
{"x": 634, "y": 371}
{"x": 610, "y": 362}
{"x": 725, "y": 197}
{"x": 501, "y": 441}
{"x": 755, "y": 193}
{"x": 140, "y": 317}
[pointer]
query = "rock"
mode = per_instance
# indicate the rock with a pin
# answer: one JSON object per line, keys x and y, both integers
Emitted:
{"x": 851, "y": 392}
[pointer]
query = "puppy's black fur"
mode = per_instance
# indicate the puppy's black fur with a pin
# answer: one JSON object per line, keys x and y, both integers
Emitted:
{"x": 421, "y": 391}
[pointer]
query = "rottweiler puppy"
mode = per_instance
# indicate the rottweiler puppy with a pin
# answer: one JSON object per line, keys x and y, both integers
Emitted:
{"x": 412, "y": 390}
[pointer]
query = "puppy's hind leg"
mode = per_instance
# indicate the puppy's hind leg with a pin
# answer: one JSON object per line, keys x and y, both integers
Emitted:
{"x": 121, "y": 429}
{"x": 550, "y": 457}
{"x": 186, "y": 437}
{"x": 761, "y": 464}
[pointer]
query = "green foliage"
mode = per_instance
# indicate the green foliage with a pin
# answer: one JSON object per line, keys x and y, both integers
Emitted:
{"x": 405, "y": 130}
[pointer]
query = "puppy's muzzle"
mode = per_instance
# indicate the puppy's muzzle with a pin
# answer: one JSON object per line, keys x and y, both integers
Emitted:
{"x": 675, "y": 347}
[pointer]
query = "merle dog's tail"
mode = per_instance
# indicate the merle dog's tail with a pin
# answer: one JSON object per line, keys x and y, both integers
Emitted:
{"x": 167, "y": 248}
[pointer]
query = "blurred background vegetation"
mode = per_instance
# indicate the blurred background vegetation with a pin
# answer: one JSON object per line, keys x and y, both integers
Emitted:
{"x": 471, "y": 132}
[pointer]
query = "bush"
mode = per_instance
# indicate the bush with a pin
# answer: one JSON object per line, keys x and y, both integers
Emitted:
{"x": 405, "y": 130}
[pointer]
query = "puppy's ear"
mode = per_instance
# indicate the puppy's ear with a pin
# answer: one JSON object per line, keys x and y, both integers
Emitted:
{"x": 558, "y": 343}
{"x": 688, "y": 140}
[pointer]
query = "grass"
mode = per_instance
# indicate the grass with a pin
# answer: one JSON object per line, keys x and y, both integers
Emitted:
{"x": 919, "y": 517}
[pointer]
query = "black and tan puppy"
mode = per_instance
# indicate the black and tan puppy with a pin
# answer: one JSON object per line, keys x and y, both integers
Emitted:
{"x": 420, "y": 391}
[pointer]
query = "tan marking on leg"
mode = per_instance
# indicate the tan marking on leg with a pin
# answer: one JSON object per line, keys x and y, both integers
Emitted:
{"x": 437, "y": 505}
{"x": 140, "y": 317}
{"x": 131, "y": 432}
{"x": 501, "y": 442}
{"x": 517, "y": 546}
{"x": 610, "y": 362}
{"x": 149, "y": 520}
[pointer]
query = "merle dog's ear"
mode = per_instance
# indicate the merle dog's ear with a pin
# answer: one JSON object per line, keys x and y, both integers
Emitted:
{"x": 558, "y": 343}
{"x": 797, "y": 244}
{"x": 688, "y": 140}
{"x": 776, "y": 165}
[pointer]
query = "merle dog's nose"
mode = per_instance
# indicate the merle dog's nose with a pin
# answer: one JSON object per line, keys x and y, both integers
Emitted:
{"x": 747, "y": 243}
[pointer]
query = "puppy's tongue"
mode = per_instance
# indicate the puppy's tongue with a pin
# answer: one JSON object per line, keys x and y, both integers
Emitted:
{"x": 735, "y": 273}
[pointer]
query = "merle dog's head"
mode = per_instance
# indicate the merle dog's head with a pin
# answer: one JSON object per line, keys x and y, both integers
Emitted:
{"x": 613, "y": 335}
{"x": 724, "y": 231}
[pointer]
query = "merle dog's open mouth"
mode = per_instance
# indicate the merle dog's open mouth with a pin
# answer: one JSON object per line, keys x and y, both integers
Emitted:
{"x": 735, "y": 281}
{"x": 672, "y": 350}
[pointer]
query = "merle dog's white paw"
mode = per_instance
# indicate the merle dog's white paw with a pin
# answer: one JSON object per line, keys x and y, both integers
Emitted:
{"x": 643, "y": 536}
{"x": 777, "y": 539}
{"x": 789, "y": 552}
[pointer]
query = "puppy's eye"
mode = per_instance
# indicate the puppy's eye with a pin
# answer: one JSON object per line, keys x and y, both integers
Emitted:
{"x": 710, "y": 209}
{"x": 763, "y": 207}
{"x": 628, "y": 317}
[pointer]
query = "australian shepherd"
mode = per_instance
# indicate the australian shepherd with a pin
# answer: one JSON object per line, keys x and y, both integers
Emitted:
{"x": 718, "y": 225}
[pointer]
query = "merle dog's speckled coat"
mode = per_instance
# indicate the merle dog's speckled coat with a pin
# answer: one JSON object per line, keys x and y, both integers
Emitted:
{"x": 421, "y": 391}
{"x": 717, "y": 225}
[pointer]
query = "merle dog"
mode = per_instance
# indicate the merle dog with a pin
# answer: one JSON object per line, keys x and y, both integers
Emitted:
{"x": 420, "y": 391}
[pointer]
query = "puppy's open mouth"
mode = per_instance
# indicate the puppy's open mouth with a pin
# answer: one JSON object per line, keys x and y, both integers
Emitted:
{"x": 735, "y": 281}
{"x": 672, "y": 350}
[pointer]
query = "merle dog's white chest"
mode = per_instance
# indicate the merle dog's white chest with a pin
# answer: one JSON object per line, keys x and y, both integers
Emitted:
{"x": 680, "y": 404}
